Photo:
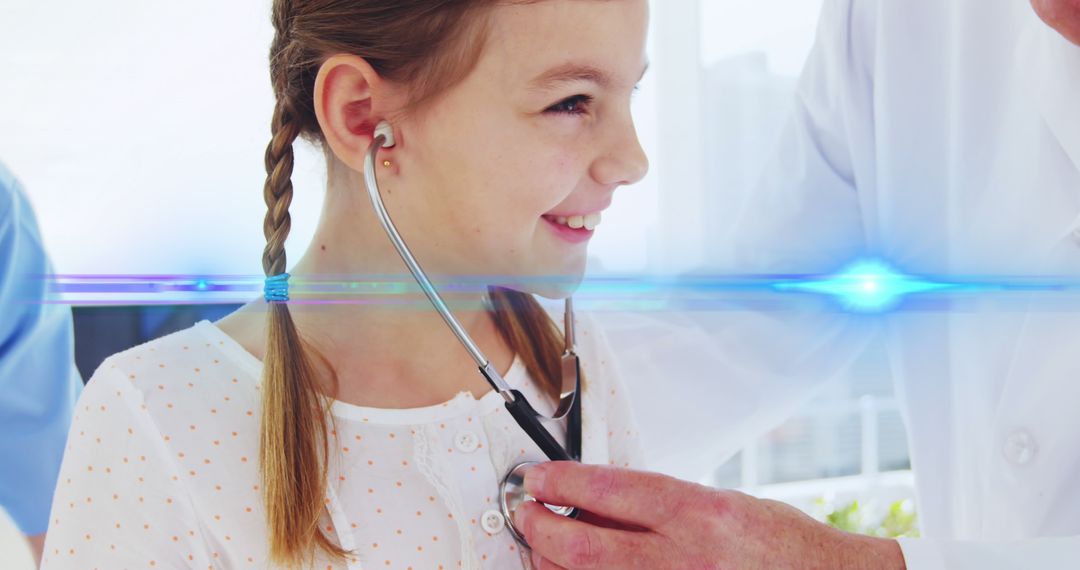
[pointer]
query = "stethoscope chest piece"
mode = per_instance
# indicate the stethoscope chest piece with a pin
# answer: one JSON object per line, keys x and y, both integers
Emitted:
{"x": 512, "y": 495}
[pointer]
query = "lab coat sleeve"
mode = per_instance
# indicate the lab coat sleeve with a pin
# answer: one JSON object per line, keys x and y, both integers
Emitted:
{"x": 38, "y": 379}
{"x": 711, "y": 381}
{"x": 121, "y": 501}
{"x": 804, "y": 216}
{"x": 1059, "y": 553}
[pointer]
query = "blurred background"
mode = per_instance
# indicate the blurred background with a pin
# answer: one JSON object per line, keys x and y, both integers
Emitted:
{"x": 138, "y": 128}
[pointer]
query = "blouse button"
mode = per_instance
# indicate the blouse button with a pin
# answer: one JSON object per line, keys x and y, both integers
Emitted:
{"x": 467, "y": 442}
{"x": 492, "y": 522}
{"x": 1020, "y": 447}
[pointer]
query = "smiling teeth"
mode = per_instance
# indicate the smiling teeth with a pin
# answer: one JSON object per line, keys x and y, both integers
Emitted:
{"x": 589, "y": 222}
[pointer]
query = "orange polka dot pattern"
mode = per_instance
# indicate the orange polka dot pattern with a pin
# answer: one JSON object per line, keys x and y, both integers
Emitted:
{"x": 161, "y": 465}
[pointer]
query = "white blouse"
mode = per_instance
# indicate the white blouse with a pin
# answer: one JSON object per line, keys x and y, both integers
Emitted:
{"x": 161, "y": 467}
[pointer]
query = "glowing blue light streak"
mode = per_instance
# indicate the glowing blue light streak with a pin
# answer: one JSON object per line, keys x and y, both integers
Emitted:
{"x": 869, "y": 287}
{"x": 866, "y": 286}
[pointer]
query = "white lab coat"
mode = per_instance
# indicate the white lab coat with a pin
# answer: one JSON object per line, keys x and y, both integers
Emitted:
{"x": 944, "y": 136}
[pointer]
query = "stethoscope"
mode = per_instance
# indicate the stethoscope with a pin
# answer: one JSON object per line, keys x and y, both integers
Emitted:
{"x": 512, "y": 489}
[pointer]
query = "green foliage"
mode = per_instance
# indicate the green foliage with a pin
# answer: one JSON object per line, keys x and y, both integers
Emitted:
{"x": 899, "y": 522}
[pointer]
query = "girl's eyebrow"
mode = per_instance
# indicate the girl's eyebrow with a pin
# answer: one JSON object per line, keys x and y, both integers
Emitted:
{"x": 569, "y": 73}
{"x": 573, "y": 72}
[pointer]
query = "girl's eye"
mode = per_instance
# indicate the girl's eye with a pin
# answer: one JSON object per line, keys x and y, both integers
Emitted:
{"x": 571, "y": 106}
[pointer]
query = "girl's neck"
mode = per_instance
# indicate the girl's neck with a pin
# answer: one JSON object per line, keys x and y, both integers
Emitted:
{"x": 386, "y": 350}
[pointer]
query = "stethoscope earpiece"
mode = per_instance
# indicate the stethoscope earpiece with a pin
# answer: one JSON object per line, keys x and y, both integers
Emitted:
{"x": 385, "y": 129}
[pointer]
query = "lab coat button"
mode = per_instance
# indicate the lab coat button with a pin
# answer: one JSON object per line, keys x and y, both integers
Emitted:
{"x": 467, "y": 442}
{"x": 492, "y": 522}
{"x": 1020, "y": 447}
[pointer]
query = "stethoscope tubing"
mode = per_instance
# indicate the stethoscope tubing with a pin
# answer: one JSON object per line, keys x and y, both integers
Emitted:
{"x": 523, "y": 413}
{"x": 569, "y": 405}
{"x": 494, "y": 378}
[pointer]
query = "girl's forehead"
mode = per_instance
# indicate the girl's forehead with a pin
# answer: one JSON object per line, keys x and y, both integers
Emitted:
{"x": 536, "y": 44}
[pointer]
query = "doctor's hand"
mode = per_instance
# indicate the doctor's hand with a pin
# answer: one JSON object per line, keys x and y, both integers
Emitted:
{"x": 657, "y": 522}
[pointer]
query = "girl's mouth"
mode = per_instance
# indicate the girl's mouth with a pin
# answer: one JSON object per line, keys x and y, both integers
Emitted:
{"x": 574, "y": 229}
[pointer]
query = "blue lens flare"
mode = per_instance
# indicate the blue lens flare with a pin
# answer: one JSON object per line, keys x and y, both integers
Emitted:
{"x": 867, "y": 286}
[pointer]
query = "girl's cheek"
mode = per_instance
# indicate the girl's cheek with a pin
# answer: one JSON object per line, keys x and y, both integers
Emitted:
{"x": 562, "y": 163}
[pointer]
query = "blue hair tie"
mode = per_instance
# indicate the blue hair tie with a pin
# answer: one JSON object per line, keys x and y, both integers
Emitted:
{"x": 276, "y": 288}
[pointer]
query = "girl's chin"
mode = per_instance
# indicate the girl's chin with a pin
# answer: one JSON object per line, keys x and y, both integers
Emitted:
{"x": 550, "y": 276}
{"x": 555, "y": 293}
{"x": 552, "y": 287}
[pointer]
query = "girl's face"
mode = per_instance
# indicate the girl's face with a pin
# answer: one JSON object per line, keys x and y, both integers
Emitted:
{"x": 490, "y": 178}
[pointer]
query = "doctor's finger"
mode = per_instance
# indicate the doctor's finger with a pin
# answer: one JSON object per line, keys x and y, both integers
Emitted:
{"x": 572, "y": 544}
{"x": 647, "y": 500}
{"x": 541, "y": 563}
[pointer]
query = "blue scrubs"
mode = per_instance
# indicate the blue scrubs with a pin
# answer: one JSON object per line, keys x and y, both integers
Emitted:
{"x": 39, "y": 383}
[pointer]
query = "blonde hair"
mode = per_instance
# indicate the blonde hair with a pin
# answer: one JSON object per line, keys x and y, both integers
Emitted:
{"x": 437, "y": 41}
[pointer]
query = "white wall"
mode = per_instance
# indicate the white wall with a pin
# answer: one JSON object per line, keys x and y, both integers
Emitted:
{"x": 781, "y": 29}
{"x": 137, "y": 129}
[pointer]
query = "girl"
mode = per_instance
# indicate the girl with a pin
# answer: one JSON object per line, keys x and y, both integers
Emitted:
{"x": 360, "y": 435}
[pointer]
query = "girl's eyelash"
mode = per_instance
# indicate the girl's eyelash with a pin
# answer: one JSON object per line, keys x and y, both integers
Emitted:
{"x": 571, "y": 105}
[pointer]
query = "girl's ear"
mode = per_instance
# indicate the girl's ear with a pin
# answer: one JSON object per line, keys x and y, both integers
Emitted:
{"x": 349, "y": 95}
